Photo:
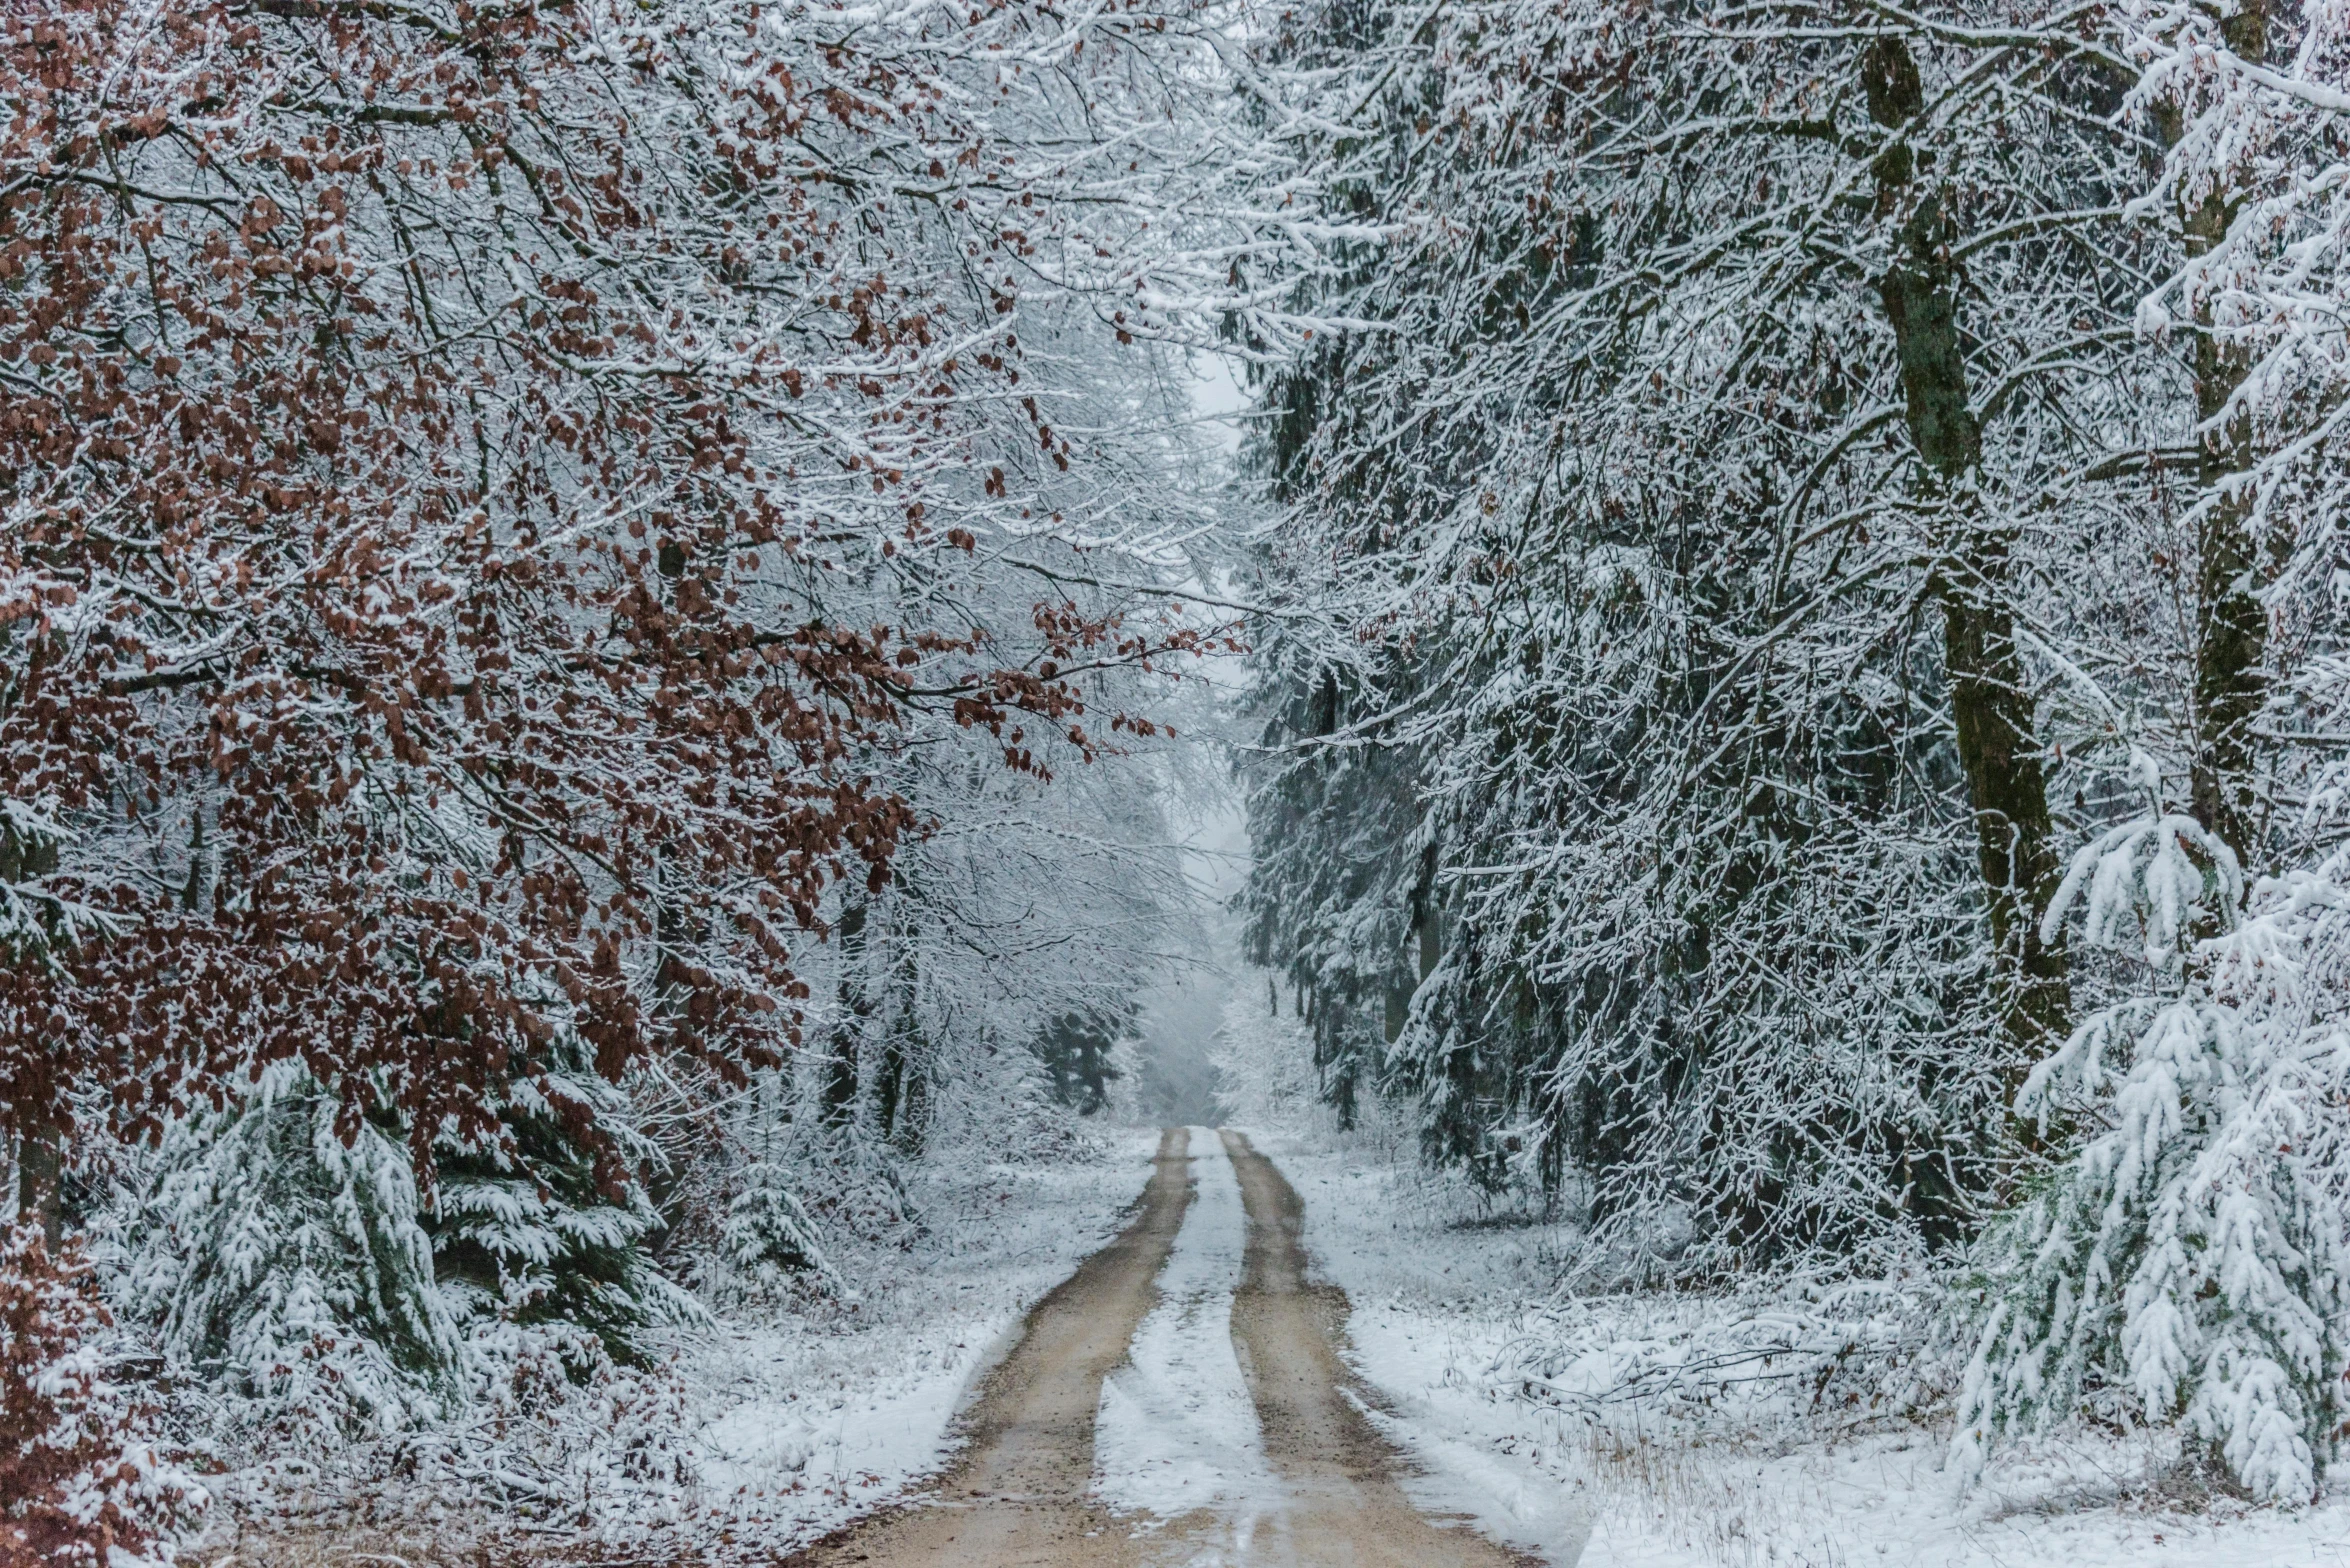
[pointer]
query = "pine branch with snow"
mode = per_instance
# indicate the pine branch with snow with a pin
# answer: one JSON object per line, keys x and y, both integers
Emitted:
{"x": 2188, "y": 1258}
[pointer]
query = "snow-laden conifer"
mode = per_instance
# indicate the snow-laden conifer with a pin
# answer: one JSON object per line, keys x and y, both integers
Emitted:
{"x": 2185, "y": 1262}
{"x": 768, "y": 1237}
{"x": 536, "y": 1226}
{"x": 293, "y": 1260}
{"x": 283, "y": 1260}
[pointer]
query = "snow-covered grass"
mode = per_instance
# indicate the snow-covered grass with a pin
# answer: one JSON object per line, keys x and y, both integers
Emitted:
{"x": 817, "y": 1417}
{"x": 764, "y": 1428}
{"x": 1450, "y": 1307}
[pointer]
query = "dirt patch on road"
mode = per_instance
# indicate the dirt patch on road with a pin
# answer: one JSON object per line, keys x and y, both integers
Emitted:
{"x": 1018, "y": 1496}
{"x": 1345, "y": 1509}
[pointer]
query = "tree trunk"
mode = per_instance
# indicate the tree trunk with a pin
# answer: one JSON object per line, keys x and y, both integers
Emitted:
{"x": 2231, "y": 624}
{"x": 839, "y": 1091}
{"x": 901, "y": 1088}
{"x": 1990, "y": 703}
{"x": 1427, "y": 924}
{"x": 40, "y": 1166}
{"x": 913, "y": 1110}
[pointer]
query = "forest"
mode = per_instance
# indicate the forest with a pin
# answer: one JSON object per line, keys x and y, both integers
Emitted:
{"x": 627, "y": 628}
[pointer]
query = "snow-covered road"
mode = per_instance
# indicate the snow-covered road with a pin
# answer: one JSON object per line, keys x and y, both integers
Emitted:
{"x": 1192, "y": 1370}
{"x": 1177, "y": 1432}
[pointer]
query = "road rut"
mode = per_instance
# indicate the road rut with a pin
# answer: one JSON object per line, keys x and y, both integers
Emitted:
{"x": 1344, "y": 1508}
{"x": 1020, "y": 1496}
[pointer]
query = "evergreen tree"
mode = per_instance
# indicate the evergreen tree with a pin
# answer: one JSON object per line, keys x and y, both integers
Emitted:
{"x": 537, "y": 1227}
{"x": 282, "y": 1255}
{"x": 2189, "y": 1257}
{"x": 1075, "y": 1049}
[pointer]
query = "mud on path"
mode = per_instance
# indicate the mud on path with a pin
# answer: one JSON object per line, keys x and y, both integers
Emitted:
{"x": 1344, "y": 1508}
{"x": 1020, "y": 1493}
{"x": 1020, "y": 1497}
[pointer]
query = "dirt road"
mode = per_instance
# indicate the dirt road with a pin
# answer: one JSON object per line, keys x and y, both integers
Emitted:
{"x": 1344, "y": 1508}
{"x": 1020, "y": 1496}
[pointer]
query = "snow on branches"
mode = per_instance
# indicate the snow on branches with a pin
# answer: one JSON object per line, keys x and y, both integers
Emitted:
{"x": 519, "y": 527}
{"x": 1673, "y": 565}
{"x": 490, "y": 488}
{"x": 80, "y": 1478}
{"x": 1793, "y": 475}
{"x": 2190, "y": 1256}
{"x": 2185, "y": 1256}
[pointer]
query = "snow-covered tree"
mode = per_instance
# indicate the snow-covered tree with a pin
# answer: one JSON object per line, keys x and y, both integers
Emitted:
{"x": 2249, "y": 103}
{"x": 291, "y": 1268}
{"x": 2189, "y": 1257}
{"x": 1678, "y": 628}
{"x": 527, "y": 1228}
{"x": 528, "y": 534}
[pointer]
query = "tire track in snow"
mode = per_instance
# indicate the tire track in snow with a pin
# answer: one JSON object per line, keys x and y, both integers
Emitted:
{"x": 1346, "y": 1507}
{"x": 1197, "y": 1425}
{"x": 1019, "y": 1495}
{"x": 1177, "y": 1440}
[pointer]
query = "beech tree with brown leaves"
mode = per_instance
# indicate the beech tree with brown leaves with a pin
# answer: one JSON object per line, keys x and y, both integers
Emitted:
{"x": 79, "y": 1477}
{"x": 517, "y": 517}
{"x": 479, "y": 486}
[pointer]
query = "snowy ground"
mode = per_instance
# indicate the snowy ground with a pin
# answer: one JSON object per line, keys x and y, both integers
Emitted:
{"x": 795, "y": 1423}
{"x": 1439, "y": 1300}
{"x": 763, "y": 1430}
{"x": 810, "y": 1423}
{"x": 1177, "y": 1431}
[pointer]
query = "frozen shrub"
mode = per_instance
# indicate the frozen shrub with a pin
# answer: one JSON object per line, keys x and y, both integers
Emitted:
{"x": 768, "y": 1236}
